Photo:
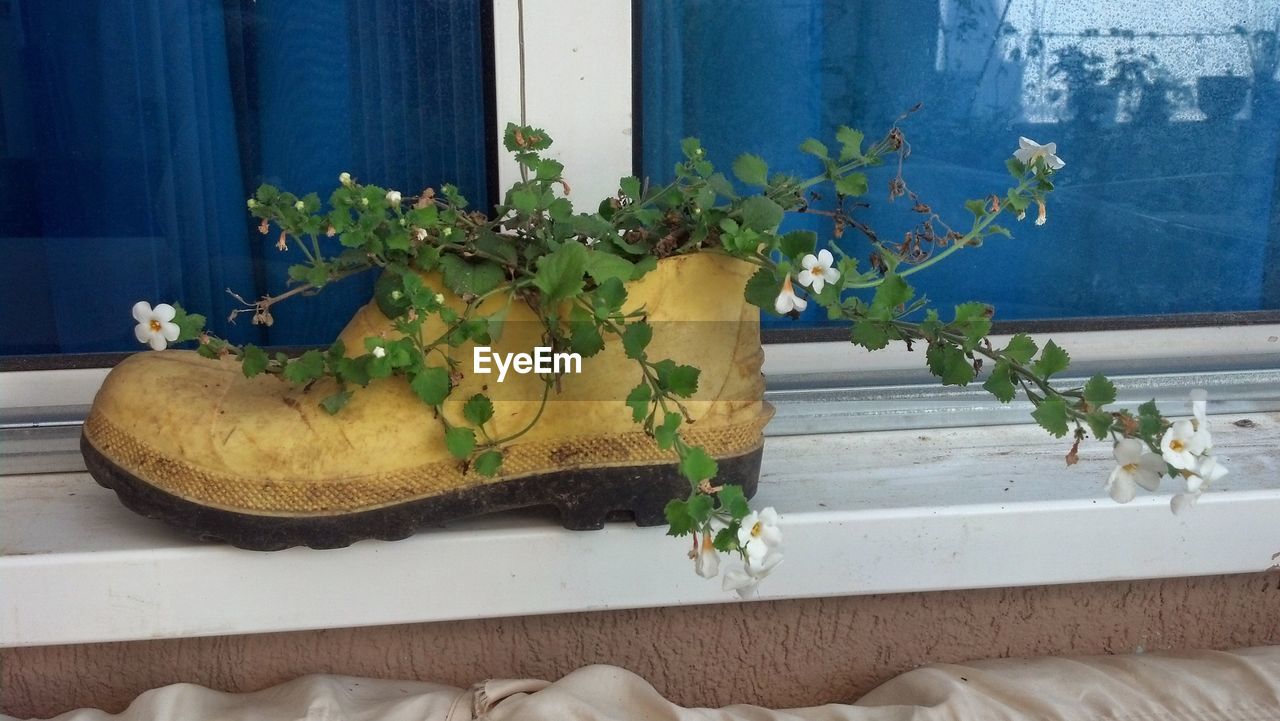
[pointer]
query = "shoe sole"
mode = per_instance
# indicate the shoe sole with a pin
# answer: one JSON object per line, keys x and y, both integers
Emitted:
{"x": 584, "y": 498}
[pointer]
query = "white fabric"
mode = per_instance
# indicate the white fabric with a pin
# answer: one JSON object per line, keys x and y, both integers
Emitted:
{"x": 1196, "y": 686}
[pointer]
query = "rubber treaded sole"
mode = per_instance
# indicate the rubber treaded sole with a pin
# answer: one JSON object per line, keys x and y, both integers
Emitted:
{"x": 584, "y": 497}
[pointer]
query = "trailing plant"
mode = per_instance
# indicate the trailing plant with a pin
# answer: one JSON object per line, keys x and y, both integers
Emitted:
{"x": 573, "y": 269}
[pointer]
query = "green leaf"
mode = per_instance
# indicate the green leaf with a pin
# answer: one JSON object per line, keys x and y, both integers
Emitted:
{"x": 190, "y": 325}
{"x": 1099, "y": 391}
{"x": 798, "y": 243}
{"x": 308, "y": 367}
{"x": 460, "y": 441}
{"x": 1100, "y": 423}
{"x": 466, "y": 278}
{"x": 697, "y": 465}
{"x": 612, "y": 293}
{"x": 722, "y": 186}
{"x": 254, "y": 361}
{"x": 431, "y": 385}
{"x": 815, "y": 147}
{"x": 850, "y": 143}
{"x": 870, "y": 334}
{"x": 630, "y": 187}
{"x": 602, "y": 266}
{"x": 700, "y": 509}
{"x": 1149, "y": 421}
{"x": 1021, "y": 348}
{"x": 1052, "y": 360}
{"x": 636, "y": 338}
{"x": 549, "y": 169}
{"x": 892, "y": 293}
{"x": 761, "y": 214}
{"x": 976, "y": 206}
{"x": 751, "y": 169}
{"x": 852, "y": 184}
{"x": 390, "y": 296}
{"x": 488, "y": 463}
{"x": 585, "y": 338}
{"x": 733, "y": 501}
{"x": 678, "y": 379}
{"x": 638, "y": 399}
{"x": 665, "y": 434}
{"x": 1000, "y": 382}
{"x": 1051, "y": 414}
{"x": 950, "y": 364}
{"x": 974, "y": 321}
{"x": 762, "y": 290}
{"x": 678, "y": 518}
{"x": 336, "y": 402}
{"x": 478, "y": 410}
{"x": 559, "y": 274}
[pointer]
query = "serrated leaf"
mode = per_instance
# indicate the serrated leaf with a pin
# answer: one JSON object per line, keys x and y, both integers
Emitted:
{"x": 850, "y": 143}
{"x": 630, "y": 187}
{"x": 762, "y": 290}
{"x": 870, "y": 334}
{"x": 697, "y": 466}
{"x": 1000, "y": 382}
{"x": 1051, "y": 414}
{"x": 602, "y": 266}
{"x": 477, "y": 410}
{"x": 853, "y": 184}
{"x": 635, "y": 338}
{"x": 678, "y": 519}
{"x": 751, "y": 169}
{"x": 1098, "y": 391}
{"x": 559, "y": 274}
{"x": 974, "y": 321}
{"x": 761, "y": 214}
{"x": 638, "y": 400}
{"x": 585, "y": 339}
{"x": 336, "y": 402}
{"x": 949, "y": 363}
{"x": 253, "y": 361}
{"x": 612, "y": 293}
{"x": 1052, "y": 360}
{"x": 307, "y": 367}
{"x": 665, "y": 434}
{"x": 798, "y": 243}
{"x": 488, "y": 463}
{"x": 892, "y": 293}
{"x": 1100, "y": 423}
{"x": 431, "y": 385}
{"x": 190, "y": 325}
{"x": 681, "y": 380}
{"x": 1021, "y": 348}
{"x": 460, "y": 441}
{"x": 733, "y": 501}
{"x": 467, "y": 278}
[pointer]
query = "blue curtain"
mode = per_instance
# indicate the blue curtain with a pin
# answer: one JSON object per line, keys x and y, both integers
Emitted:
{"x": 1170, "y": 201}
{"x": 131, "y": 131}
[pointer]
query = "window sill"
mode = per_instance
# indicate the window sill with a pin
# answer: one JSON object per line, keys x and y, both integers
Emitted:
{"x": 872, "y": 512}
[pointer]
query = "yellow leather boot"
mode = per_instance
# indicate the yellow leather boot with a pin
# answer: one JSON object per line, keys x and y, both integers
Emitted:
{"x": 257, "y": 462}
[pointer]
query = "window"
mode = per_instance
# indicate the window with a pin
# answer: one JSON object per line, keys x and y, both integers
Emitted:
{"x": 1168, "y": 116}
{"x": 132, "y": 131}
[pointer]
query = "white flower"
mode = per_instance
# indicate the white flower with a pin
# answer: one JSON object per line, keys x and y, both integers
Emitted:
{"x": 747, "y": 579}
{"x": 818, "y": 270}
{"x": 759, "y": 534}
{"x": 1028, "y": 150}
{"x": 591, "y": 242}
{"x": 1040, "y": 214}
{"x": 1182, "y": 502}
{"x": 1136, "y": 465}
{"x": 251, "y": 203}
{"x": 706, "y": 561}
{"x": 155, "y": 325}
{"x": 379, "y": 352}
{"x": 393, "y": 198}
{"x": 787, "y": 300}
{"x": 345, "y": 178}
{"x": 439, "y": 298}
{"x": 1182, "y": 445}
{"x": 300, "y": 205}
{"x": 1207, "y": 471}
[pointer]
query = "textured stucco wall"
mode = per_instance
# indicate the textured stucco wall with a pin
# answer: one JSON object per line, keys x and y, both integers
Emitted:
{"x": 777, "y": 654}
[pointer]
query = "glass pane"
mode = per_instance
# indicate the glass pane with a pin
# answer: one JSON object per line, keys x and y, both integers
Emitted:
{"x": 1167, "y": 114}
{"x": 132, "y": 131}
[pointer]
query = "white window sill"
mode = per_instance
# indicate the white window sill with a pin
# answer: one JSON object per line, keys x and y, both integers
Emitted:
{"x": 872, "y": 512}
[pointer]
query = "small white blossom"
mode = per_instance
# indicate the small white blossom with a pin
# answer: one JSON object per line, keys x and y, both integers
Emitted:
{"x": 155, "y": 325}
{"x": 787, "y": 300}
{"x": 393, "y": 198}
{"x": 706, "y": 561}
{"x": 439, "y": 298}
{"x": 251, "y": 203}
{"x": 747, "y": 579}
{"x": 818, "y": 270}
{"x": 1182, "y": 445}
{"x": 1135, "y": 466}
{"x": 1206, "y": 472}
{"x": 379, "y": 352}
{"x": 759, "y": 534}
{"x": 1028, "y": 150}
{"x": 1041, "y": 214}
{"x": 591, "y": 242}
{"x": 300, "y": 206}
{"x": 1182, "y": 502}
{"x": 345, "y": 178}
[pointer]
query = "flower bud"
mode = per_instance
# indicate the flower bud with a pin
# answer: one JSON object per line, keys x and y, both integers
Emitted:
{"x": 300, "y": 206}
{"x": 251, "y": 203}
{"x": 393, "y": 198}
{"x": 345, "y": 179}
